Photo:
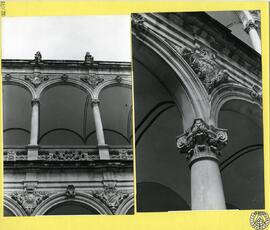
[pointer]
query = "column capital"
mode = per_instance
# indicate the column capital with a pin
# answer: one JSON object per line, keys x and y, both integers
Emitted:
{"x": 250, "y": 24}
{"x": 35, "y": 101}
{"x": 202, "y": 141}
{"x": 95, "y": 102}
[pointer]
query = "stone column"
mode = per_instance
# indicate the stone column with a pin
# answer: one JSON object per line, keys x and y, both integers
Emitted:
{"x": 33, "y": 146}
{"x": 251, "y": 28}
{"x": 103, "y": 148}
{"x": 202, "y": 144}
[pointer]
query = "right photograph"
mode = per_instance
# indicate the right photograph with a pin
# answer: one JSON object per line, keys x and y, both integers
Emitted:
{"x": 198, "y": 111}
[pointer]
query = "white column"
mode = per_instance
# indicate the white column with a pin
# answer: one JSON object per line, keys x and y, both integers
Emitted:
{"x": 34, "y": 122}
{"x": 202, "y": 144}
{"x": 251, "y": 28}
{"x": 33, "y": 146}
{"x": 103, "y": 148}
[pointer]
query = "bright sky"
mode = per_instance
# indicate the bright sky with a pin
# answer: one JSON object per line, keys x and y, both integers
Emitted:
{"x": 107, "y": 38}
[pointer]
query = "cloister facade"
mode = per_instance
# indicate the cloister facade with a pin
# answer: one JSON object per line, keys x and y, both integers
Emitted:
{"x": 67, "y": 137}
{"x": 198, "y": 110}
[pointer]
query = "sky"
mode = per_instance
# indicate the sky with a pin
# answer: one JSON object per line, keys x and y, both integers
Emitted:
{"x": 107, "y": 38}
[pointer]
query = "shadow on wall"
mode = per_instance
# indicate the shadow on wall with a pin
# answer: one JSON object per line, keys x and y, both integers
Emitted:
{"x": 154, "y": 197}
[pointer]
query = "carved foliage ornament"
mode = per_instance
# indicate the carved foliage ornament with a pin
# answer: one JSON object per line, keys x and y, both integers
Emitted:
{"x": 92, "y": 80}
{"x": 201, "y": 138}
{"x": 36, "y": 79}
{"x": 29, "y": 199}
{"x": 256, "y": 94}
{"x": 203, "y": 62}
{"x": 70, "y": 192}
{"x": 111, "y": 197}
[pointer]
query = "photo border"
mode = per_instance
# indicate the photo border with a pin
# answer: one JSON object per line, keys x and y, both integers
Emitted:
{"x": 227, "y": 219}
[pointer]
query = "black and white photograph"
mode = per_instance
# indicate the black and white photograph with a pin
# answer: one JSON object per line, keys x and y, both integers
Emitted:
{"x": 67, "y": 115}
{"x": 198, "y": 111}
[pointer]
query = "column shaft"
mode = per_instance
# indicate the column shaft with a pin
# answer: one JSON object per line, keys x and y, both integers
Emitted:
{"x": 32, "y": 153}
{"x": 206, "y": 186}
{"x": 103, "y": 148}
{"x": 98, "y": 124}
{"x": 34, "y": 123}
{"x": 255, "y": 39}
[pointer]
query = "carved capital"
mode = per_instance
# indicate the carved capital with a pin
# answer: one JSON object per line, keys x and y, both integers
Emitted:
{"x": 35, "y": 101}
{"x": 95, "y": 102}
{"x": 92, "y": 80}
{"x": 203, "y": 63}
{"x": 250, "y": 25}
{"x": 256, "y": 94}
{"x": 111, "y": 197}
{"x": 202, "y": 141}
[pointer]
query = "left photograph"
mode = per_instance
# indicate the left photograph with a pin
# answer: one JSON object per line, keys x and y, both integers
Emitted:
{"x": 67, "y": 116}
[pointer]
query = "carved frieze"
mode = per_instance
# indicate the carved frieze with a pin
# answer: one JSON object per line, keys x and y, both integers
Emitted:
{"x": 122, "y": 154}
{"x": 203, "y": 62}
{"x": 68, "y": 155}
{"x": 202, "y": 140}
{"x": 36, "y": 78}
{"x": 111, "y": 197}
{"x": 12, "y": 155}
{"x": 29, "y": 199}
{"x": 92, "y": 80}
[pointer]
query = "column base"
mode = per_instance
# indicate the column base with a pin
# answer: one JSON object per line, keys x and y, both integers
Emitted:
{"x": 104, "y": 153}
{"x": 32, "y": 152}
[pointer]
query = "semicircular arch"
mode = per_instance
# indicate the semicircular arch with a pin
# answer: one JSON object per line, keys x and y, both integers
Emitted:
{"x": 23, "y": 84}
{"x": 195, "y": 97}
{"x": 71, "y": 82}
{"x": 226, "y": 93}
{"x": 14, "y": 207}
{"x": 82, "y": 198}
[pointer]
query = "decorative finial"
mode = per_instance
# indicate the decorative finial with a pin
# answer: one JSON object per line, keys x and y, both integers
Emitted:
{"x": 88, "y": 59}
{"x": 38, "y": 57}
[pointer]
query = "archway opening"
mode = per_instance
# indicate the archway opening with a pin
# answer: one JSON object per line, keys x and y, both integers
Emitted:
{"x": 116, "y": 113}
{"x": 242, "y": 158}
{"x": 162, "y": 112}
{"x": 16, "y": 123}
{"x": 72, "y": 208}
{"x": 64, "y": 115}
